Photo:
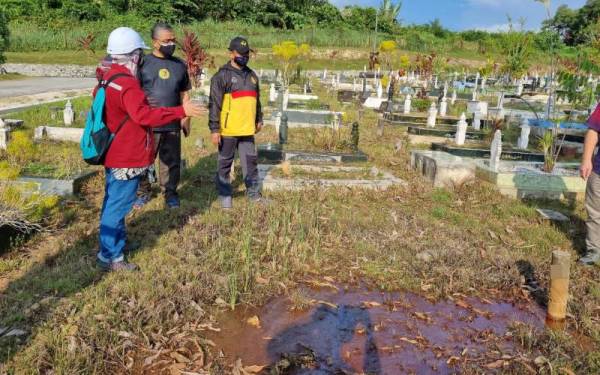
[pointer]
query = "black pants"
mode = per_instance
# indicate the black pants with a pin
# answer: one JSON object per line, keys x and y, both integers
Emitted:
{"x": 249, "y": 160}
{"x": 167, "y": 146}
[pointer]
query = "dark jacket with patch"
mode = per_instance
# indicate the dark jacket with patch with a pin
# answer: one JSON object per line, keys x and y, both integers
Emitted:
{"x": 234, "y": 103}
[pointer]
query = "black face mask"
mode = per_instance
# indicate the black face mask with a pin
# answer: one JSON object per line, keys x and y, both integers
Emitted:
{"x": 242, "y": 60}
{"x": 167, "y": 50}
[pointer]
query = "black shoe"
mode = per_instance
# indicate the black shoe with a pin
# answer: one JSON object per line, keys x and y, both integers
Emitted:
{"x": 173, "y": 202}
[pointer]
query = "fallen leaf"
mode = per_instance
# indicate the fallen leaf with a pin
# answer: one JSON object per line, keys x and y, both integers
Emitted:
{"x": 369, "y": 304}
{"x": 261, "y": 280}
{"x": 180, "y": 358}
{"x": 496, "y": 364}
{"x": 493, "y": 235}
{"x": 148, "y": 361}
{"x": 540, "y": 360}
{"x": 406, "y": 339}
{"x": 253, "y": 321}
{"x": 452, "y": 360}
{"x": 567, "y": 370}
{"x": 422, "y": 316}
{"x": 329, "y": 279}
{"x": 255, "y": 369}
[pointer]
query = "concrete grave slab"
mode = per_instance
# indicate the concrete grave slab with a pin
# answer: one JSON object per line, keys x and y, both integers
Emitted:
{"x": 381, "y": 180}
{"x": 552, "y": 215}
{"x": 58, "y": 133}
{"x": 527, "y": 180}
{"x": 443, "y": 169}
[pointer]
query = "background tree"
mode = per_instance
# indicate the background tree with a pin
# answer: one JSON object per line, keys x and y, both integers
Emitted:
{"x": 4, "y": 35}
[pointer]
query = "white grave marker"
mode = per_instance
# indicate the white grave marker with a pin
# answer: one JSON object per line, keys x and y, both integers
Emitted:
{"x": 523, "y": 141}
{"x": 272, "y": 93}
{"x": 407, "y": 104}
{"x": 496, "y": 151}
{"x": 461, "y": 130}
{"x": 68, "y": 114}
{"x": 443, "y": 106}
{"x": 431, "y": 115}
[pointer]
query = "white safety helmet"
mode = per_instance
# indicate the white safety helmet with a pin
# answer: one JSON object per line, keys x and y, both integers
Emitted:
{"x": 124, "y": 40}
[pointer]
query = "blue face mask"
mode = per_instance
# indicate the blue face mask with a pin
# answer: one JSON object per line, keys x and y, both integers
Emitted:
{"x": 242, "y": 60}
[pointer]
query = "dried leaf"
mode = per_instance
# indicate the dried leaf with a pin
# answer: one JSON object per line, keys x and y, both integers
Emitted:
{"x": 369, "y": 304}
{"x": 180, "y": 358}
{"x": 406, "y": 339}
{"x": 253, "y": 321}
{"x": 254, "y": 369}
{"x": 496, "y": 364}
{"x": 261, "y": 280}
{"x": 125, "y": 334}
{"x": 422, "y": 316}
{"x": 148, "y": 361}
{"x": 493, "y": 235}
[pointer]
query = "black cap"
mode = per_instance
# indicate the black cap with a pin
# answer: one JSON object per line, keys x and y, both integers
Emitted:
{"x": 240, "y": 45}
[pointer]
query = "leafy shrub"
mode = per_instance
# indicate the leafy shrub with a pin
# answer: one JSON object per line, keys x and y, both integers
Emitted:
{"x": 21, "y": 149}
{"x": 4, "y": 35}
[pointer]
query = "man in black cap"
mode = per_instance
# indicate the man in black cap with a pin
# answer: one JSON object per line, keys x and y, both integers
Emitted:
{"x": 235, "y": 115}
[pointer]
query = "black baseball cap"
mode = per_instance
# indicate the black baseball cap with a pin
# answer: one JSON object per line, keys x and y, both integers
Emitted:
{"x": 240, "y": 45}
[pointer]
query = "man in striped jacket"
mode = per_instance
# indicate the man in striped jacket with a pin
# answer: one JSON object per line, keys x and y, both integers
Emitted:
{"x": 235, "y": 116}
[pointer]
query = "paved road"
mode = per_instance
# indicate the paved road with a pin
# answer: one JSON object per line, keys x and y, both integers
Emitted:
{"x": 40, "y": 85}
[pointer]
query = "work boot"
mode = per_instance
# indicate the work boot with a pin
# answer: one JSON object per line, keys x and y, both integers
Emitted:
{"x": 226, "y": 202}
{"x": 173, "y": 202}
{"x": 590, "y": 258}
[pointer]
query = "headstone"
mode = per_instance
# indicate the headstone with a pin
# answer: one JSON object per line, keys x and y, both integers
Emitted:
{"x": 445, "y": 89}
{"x": 407, "y": 104}
{"x": 277, "y": 122}
{"x": 453, "y": 99}
{"x": 483, "y": 82}
{"x": 324, "y": 74}
{"x": 68, "y": 114}
{"x": 474, "y": 95}
{"x": 520, "y": 88}
{"x": 272, "y": 93}
{"x": 431, "y": 115}
{"x": 443, "y": 106}
{"x": 496, "y": 151}
{"x": 39, "y": 133}
{"x": 435, "y": 82}
{"x": 286, "y": 99}
{"x": 523, "y": 141}
{"x": 333, "y": 82}
{"x": 304, "y": 89}
{"x": 336, "y": 122}
{"x": 283, "y": 130}
{"x": 477, "y": 120}
{"x": 461, "y": 130}
{"x": 355, "y": 136}
{"x": 379, "y": 90}
{"x": 354, "y": 86}
{"x": 4, "y": 137}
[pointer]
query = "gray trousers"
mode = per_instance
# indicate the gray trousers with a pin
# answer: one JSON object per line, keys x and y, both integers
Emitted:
{"x": 592, "y": 206}
{"x": 249, "y": 160}
{"x": 167, "y": 147}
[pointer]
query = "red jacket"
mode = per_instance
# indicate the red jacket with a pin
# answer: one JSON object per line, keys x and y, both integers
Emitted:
{"x": 133, "y": 146}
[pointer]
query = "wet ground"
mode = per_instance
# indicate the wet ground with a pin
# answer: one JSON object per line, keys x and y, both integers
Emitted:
{"x": 374, "y": 333}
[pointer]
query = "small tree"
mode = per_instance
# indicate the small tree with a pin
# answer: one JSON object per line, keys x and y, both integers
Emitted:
{"x": 4, "y": 35}
{"x": 289, "y": 54}
{"x": 517, "y": 50}
{"x": 386, "y": 49}
{"x": 195, "y": 56}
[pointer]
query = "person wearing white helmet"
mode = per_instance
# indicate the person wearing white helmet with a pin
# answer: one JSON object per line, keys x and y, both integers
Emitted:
{"x": 130, "y": 118}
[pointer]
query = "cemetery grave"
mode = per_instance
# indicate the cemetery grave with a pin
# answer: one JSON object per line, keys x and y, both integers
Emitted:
{"x": 374, "y": 256}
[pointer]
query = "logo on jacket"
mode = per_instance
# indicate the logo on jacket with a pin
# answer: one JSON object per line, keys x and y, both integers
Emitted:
{"x": 253, "y": 80}
{"x": 233, "y": 80}
{"x": 164, "y": 73}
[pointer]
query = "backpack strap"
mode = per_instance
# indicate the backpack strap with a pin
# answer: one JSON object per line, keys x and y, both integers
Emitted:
{"x": 109, "y": 83}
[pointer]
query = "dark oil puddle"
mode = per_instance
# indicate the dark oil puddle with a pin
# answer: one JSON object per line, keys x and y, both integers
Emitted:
{"x": 372, "y": 332}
